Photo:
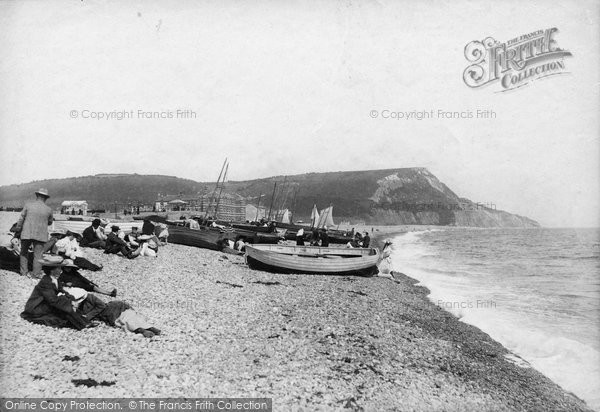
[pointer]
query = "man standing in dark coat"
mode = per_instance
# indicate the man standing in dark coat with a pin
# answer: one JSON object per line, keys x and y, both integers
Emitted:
{"x": 33, "y": 226}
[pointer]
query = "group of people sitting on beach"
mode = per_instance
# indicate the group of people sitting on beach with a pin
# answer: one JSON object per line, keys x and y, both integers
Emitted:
{"x": 63, "y": 297}
{"x": 360, "y": 240}
{"x": 316, "y": 237}
{"x": 130, "y": 245}
{"x": 320, "y": 237}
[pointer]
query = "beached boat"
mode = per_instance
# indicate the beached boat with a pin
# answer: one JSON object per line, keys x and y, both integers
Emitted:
{"x": 255, "y": 237}
{"x": 339, "y": 236}
{"x": 251, "y": 227}
{"x": 204, "y": 237}
{"x": 312, "y": 259}
{"x": 246, "y": 232}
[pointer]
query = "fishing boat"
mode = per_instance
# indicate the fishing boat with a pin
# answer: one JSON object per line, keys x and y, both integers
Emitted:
{"x": 255, "y": 237}
{"x": 250, "y": 227}
{"x": 312, "y": 259}
{"x": 318, "y": 221}
{"x": 204, "y": 237}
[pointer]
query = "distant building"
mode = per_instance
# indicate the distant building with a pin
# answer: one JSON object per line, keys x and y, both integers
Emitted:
{"x": 74, "y": 207}
{"x": 231, "y": 206}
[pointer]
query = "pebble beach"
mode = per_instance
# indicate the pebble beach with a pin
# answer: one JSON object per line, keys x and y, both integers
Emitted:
{"x": 307, "y": 342}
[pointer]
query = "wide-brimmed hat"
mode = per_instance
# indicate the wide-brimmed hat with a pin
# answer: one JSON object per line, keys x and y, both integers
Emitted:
{"x": 56, "y": 261}
{"x": 42, "y": 192}
{"x": 78, "y": 294}
{"x": 115, "y": 228}
{"x": 388, "y": 241}
{"x": 58, "y": 232}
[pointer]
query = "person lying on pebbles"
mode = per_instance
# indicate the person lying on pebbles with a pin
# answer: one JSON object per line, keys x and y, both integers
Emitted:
{"x": 120, "y": 314}
{"x": 50, "y": 305}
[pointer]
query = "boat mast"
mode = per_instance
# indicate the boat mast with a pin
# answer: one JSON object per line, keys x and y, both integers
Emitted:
{"x": 272, "y": 197}
{"x": 221, "y": 191}
{"x": 279, "y": 206}
{"x": 257, "y": 208}
{"x": 214, "y": 191}
{"x": 293, "y": 206}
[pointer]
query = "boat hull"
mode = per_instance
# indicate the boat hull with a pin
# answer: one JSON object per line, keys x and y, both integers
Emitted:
{"x": 251, "y": 228}
{"x": 204, "y": 237}
{"x": 255, "y": 237}
{"x": 312, "y": 259}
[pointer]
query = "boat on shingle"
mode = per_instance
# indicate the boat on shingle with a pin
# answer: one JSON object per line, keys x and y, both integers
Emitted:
{"x": 202, "y": 237}
{"x": 313, "y": 259}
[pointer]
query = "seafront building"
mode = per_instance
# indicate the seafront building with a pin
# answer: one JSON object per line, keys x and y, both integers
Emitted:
{"x": 230, "y": 206}
{"x": 74, "y": 207}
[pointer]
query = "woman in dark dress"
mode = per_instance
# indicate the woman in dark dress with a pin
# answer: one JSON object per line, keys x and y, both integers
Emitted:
{"x": 49, "y": 305}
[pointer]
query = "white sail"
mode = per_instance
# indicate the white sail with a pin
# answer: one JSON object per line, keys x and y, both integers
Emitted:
{"x": 326, "y": 218}
{"x": 314, "y": 216}
{"x": 285, "y": 217}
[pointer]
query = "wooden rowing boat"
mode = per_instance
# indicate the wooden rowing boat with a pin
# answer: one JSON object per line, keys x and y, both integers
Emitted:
{"x": 312, "y": 259}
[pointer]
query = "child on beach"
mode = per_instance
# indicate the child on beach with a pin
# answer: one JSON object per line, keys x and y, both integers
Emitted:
{"x": 385, "y": 265}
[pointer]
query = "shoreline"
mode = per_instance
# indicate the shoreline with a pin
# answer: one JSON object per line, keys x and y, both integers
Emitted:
{"x": 510, "y": 356}
{"x": 307, "y": 341}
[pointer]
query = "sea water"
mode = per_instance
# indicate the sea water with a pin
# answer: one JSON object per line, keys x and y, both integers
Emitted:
{"x": 536, "y": 291}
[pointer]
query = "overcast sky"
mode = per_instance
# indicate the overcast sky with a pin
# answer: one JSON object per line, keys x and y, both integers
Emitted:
{"x": 289, "y": 87}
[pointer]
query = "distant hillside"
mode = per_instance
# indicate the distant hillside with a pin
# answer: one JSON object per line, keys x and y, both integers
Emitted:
{"x": 100, "y": 191}
{"x": 390, "y": 196}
